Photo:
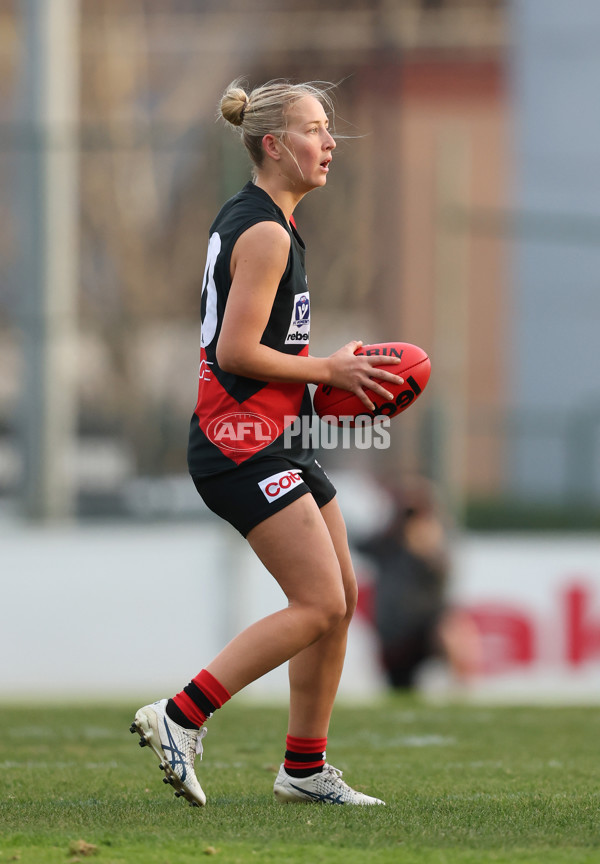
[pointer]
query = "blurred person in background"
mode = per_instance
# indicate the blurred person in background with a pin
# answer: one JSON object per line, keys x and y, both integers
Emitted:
{"x": 412, "y": 614}
{"x": 255, "y": 365}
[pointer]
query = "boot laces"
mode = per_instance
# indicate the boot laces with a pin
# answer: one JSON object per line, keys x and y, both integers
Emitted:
{"x": 201, "y": 734}
{"x": 334, "y": 774}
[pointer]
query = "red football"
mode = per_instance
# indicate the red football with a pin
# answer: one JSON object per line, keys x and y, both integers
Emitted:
{"x": 415, "y": 368}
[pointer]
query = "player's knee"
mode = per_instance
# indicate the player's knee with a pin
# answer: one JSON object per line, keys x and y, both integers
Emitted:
{"x": 351, "y": 599}
{"x": 332, "y": 613}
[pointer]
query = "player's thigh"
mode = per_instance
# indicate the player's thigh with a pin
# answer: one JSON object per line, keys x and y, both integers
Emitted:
{"x": 296, "y": 547}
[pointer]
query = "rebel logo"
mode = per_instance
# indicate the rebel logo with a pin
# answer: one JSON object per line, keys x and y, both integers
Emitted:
{"x": 242, "y": 431}
{"x": 279, "y": 484}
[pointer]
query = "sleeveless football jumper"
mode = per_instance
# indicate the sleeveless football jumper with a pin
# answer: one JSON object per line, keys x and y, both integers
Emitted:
{"x": 243, "y": 464}
{"x": 242, "y": 461}
{"x": 238, "y": 419}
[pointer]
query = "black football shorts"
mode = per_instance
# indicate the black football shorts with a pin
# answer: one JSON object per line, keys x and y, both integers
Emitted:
{"x": 250, "y": 493}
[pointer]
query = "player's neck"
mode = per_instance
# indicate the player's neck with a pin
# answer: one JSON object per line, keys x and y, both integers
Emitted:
{"x": 285, "y": 198}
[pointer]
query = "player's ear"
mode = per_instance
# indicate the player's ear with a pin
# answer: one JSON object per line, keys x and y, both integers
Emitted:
{"x": 272, "y": 146}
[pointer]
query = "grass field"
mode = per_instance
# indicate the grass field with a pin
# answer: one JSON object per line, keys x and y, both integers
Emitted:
{"x": 462, "y": 784}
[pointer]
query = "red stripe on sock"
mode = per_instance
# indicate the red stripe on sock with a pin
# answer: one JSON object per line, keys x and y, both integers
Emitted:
{"x": 299, "y": 766}
{"x": 305, "y": 745}
{"x": 212, "y": 689}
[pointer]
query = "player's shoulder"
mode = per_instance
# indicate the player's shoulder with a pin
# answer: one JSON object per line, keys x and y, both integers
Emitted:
{"x": 252, "y": 200}
{"x": 263, "y": 241}
{"x": 267, "y": 231}
{"x": 254, "y": 226}
{"x": 252, "y": 206}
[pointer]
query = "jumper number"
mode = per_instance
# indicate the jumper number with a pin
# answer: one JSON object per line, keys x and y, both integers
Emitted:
{"x": 209, "y": 319}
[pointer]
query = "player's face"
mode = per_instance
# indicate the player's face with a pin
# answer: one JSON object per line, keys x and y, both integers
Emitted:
{"x": 309, "y": 142}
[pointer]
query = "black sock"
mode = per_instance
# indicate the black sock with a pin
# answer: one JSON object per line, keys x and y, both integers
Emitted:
{"x": 177, "y": 716}
{"x": 303, "y": 772}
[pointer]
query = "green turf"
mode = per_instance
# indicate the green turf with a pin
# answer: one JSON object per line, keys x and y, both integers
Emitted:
{"x": 462, "y": 784}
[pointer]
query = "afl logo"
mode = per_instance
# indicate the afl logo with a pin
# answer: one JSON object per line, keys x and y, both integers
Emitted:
{"x": 242, "y": 431}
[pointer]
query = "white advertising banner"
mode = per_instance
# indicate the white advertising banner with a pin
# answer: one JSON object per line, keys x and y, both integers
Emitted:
{"x": 87, "y": 599}
{"x": 536, "y": 601}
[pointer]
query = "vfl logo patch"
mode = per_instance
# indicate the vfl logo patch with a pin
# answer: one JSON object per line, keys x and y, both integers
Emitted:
{"x": 302, "y": 310}
{"x": 299, "y": 329}
{"x": 278, "y": 484}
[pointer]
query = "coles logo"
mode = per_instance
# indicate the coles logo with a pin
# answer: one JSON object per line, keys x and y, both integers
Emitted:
{"x": 278, "y": 484}
{"x": 242, "y": 431}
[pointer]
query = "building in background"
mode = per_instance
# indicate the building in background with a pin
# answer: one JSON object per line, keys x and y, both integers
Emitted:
{"x": 555, "y": 317}
{"x": 458, "y": 212}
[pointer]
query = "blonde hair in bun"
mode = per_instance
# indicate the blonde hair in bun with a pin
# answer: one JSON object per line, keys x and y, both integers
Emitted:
{"x": 264, "y": 110}
{"x": 233, "y": 104}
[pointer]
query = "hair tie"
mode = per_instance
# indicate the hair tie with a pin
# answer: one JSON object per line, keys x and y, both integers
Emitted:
{"x": 243, "y": 112}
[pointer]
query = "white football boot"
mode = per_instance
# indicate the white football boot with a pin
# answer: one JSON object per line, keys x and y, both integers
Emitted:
{"x": 175, "y": 747}
{"x": 326, "y": 787}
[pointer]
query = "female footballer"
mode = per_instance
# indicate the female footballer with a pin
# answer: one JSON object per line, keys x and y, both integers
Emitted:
{"x": 255, "y": 366}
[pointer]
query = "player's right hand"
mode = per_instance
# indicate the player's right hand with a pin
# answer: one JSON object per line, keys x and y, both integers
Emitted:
{"x": 356, "y": 372}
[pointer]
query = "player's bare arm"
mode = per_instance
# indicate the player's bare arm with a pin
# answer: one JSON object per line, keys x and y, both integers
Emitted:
{"x": 258, "y": 262}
